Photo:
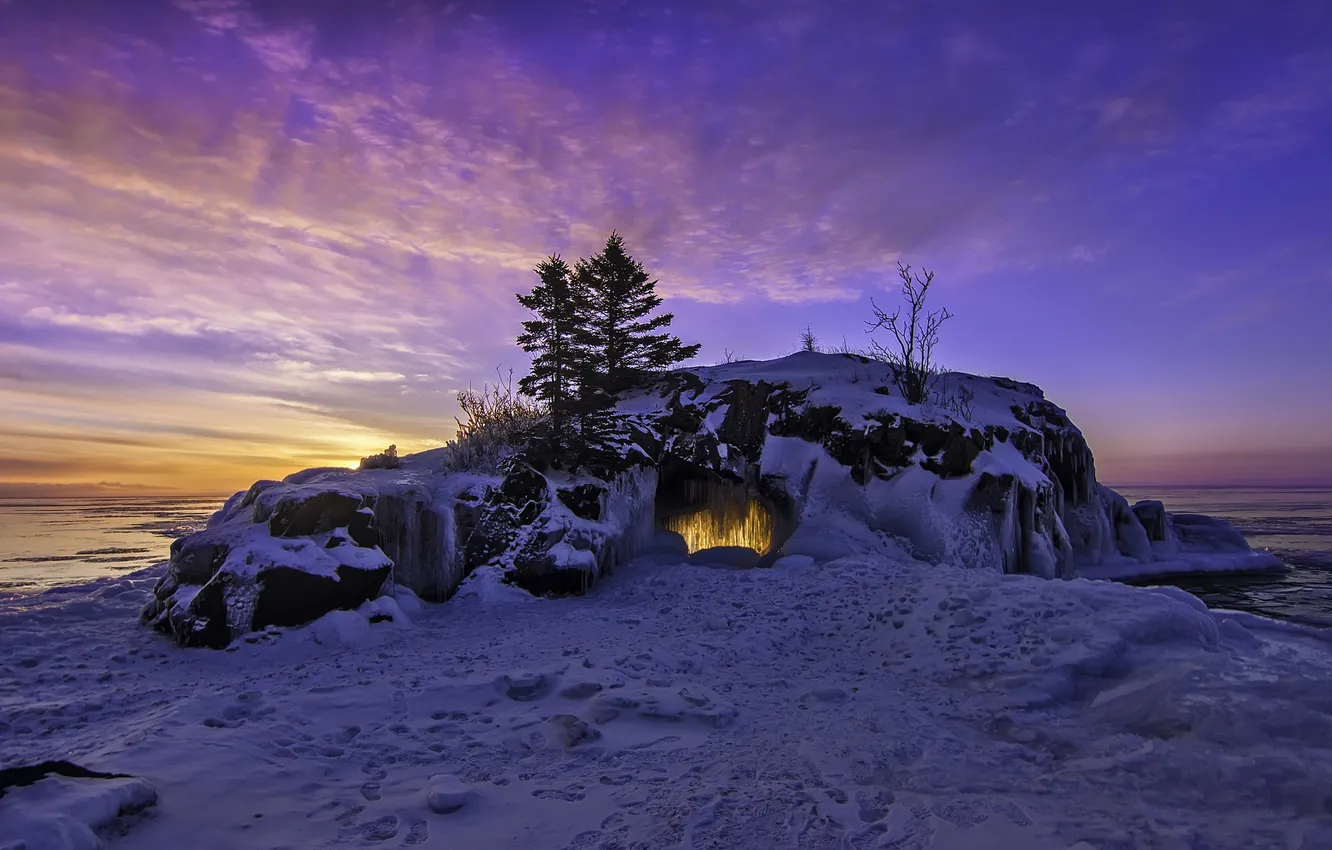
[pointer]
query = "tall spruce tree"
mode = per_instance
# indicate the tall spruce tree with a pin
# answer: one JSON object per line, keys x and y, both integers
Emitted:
{"x": 555, "y": 336}
{"x": 621, "y": 339}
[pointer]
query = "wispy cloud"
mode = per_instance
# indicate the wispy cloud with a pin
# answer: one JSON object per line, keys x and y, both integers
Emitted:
{"x": 216, "y": 209}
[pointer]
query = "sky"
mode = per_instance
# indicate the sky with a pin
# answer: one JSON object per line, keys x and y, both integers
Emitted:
{"x": 238, "y": 239}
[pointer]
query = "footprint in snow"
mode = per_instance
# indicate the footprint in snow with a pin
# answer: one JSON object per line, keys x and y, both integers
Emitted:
{"x": 348, "y": 817}
{"x": 418, "y": 832}
{"x": 572, "y": 794}
{"x": 374, "y": 771}
{"x": 962, "y": 814}
{"x": 380, "y": 829}
{"x": 1011, "y": 811}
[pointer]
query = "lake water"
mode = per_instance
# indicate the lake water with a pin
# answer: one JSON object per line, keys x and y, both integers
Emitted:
{"x": 1294, "y": 523}
{"x": 50, "y": 542}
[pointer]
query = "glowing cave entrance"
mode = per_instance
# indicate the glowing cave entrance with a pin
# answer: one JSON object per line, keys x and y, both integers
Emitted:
{"x": 747, "y": 525}
{"x": 711, "y": 513}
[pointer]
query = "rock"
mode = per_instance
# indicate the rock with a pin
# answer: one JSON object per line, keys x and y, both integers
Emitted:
{"x": 238, "y": 575}
{"x": 61, "y": 805}
{"x": 523, "y": 485}
{"x": 27, "y": 774}
{"x": 363, "y": 529}
{"x": 302, "y": 513}
{"x": 290, "y": 597}
{"x": 958, "y": 454}
{"x": 991, "y": 493}
{"x": 195, "y": 562}
{"x": 745, "y": 425}
{"x": 1152, "y": 515}
{"x": 584, "y": 500}
{"x": 525, "y": 686}
{"x": 446, "y": 794}
{"x": 570, "y": 731}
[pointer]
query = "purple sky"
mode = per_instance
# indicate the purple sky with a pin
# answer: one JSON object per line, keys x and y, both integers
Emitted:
{"x": 241, "y": 238}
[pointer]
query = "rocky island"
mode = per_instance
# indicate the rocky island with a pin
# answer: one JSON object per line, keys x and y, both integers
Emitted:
{"x": 812, "y": 455}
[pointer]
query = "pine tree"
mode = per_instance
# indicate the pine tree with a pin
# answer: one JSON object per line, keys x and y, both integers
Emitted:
{"x": 555, "y": 336}
{"x": 621, "y": 337}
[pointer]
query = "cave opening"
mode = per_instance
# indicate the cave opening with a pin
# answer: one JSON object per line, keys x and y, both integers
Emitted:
{"x": 713, "y": 513}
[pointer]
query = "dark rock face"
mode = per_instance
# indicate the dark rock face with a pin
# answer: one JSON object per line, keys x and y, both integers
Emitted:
{"x": 746, "y": 422}
{"x": 303, "y": 514}
{"x": 583, "y": 500}
{"x": 991, "y": 493}
{"x": 505, "y": 517}
{"x": 1152, "y": 515}
{"x": 197, "y": 564}
{"x": 203, "y": 620}
{"x": 289, "y": 597}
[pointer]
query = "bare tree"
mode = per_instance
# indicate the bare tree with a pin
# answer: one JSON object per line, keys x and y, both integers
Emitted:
{"x": 808, "y": 342}
{"x": 915, "y": 334}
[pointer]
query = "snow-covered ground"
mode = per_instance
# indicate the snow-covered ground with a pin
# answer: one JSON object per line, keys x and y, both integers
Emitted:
{"x": 859, "y": 703}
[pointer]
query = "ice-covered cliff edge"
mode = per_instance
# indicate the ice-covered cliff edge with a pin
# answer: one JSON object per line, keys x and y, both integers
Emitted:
{"x": 811, "y": 454}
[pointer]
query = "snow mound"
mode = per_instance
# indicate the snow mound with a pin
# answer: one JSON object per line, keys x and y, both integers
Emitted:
{"x": 63, "y": 813}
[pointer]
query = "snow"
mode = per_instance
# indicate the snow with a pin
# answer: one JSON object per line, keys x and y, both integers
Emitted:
{"x": 447, "y": 794}
{"x": 60, "y": 813}
{"x": 866, "y": 701}
{"x": 849, "y": 383}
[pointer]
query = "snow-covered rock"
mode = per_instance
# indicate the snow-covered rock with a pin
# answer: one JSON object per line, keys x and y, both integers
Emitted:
{"x": 815, "y": 455}
{"x": 66, "y": 812}
{"x": 277, "y": 556}
{"x": 447, "y": 794}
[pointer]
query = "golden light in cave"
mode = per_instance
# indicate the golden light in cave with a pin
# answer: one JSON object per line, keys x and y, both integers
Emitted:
{"x": 729, "y": 523}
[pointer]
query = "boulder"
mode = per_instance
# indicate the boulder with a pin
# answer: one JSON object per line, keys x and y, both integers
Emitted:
{"x": 279, "y": 556}
{"x": 303, "y": 513}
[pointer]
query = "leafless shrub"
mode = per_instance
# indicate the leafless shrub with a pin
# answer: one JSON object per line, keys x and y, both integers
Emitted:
{"x": 498, "y": 422}
{"x": 956, "y": 399}
{"x": 387, "y": 459}
{"x": 728, "y": 356}
{"x": 914, "y": 336}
